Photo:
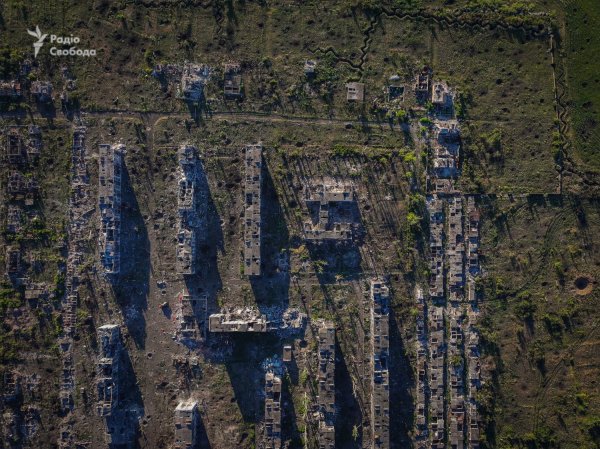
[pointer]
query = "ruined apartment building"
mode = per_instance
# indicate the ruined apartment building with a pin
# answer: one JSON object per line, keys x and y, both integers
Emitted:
{"x": 455, "y": 249}
{"x": 187, "y": 208}
{"x": 190, "y": 317}
{"x": 186, "y": 425}
{"x": 380, "y": 344}
{"x": 238, "y": 320}
{"x": 252, "y": 205}
{"x": 435, "y": 207}
{"x": 330, "y": 205}
{"x": 326, "y": 386}
{"x": 272, "y": 437}
{"x": 109, "y": 203}
{"x": 108, "y": 375}
{"x": 422, "y": 384}
{"x": 456, "y": 372}
{"x": 437, "y": 398}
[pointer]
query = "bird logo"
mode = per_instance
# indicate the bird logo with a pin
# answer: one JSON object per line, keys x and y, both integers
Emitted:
{"x": 40, "y": 40}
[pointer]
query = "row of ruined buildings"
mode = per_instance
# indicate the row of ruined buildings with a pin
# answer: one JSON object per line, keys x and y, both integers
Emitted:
{"x": 447, "y": 345}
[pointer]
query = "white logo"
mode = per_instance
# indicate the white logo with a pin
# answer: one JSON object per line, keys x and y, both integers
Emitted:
{"x": 40, "y": 40}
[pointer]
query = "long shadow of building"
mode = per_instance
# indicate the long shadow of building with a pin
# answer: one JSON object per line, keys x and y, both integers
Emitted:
{"x": 132, "y": 283}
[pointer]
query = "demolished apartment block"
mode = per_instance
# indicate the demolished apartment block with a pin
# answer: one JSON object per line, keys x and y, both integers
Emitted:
{"x": 14, "y": 219}
{"x": 34, "y": 145}
{"x": 436, "y": 377}
{"x": 326, "y": 386}
{"x": 455, "y": 249}
{"x": 190, "y": 317}
{"x": 191, "y": 210}
{"x": 331, "y": 206}
{"x": 422, "y": 83}
{"x": 456, "y": 372}
{"x": 13, "y": 260}
{"x": 435, "y": 207}
{"x": 380, "y": 345}
{"x": 15, "y": 148}
{"x": 108, "y": 375}
{"x": 186, "y": 425}
{"x": 109, "y": 201}
{"x": 42, "y": 91}
{"x": 272, "y": 436}
{"x": 355, "y": 92}
{"x": 238, "y": 320}
{"x": 10, "y": 90}
{"x": 252, "y": 212}
{"x": 232, "y": 81}
{"x": 422, "y": 385}
{"x": 473, "y": 217}
{"x": 193, "y": 79}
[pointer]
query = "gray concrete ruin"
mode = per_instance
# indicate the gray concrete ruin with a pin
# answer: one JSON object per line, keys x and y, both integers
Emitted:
{"x": 109, "y": 204}
{"x": 42, "y": 91}
{"x": 108, "y": 365}
{"x": 232, "y": 81}
{"x": 326, "y": 386}
{"x": 186, "y": 425}
{"x": 273, "y": 391}
{"x": 238, "y": 320}
{"x": 252, "y": 210}
{"x": 193, "y": 79}
{"x": 380, "y": 345}
{"x": 191, "y": 210}
{"x": 190, "y": 317}
{"x": 331, "y": 205}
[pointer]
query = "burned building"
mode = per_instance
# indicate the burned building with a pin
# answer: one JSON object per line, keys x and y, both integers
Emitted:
{"x": 273, "y": 390}
{"x": 108, "y": 369}
{"x": 380, "y": 345}
{"x": 422, "y": 83}
{"x": 437, "y": 399}
{"x": 42, "y": 91}
{"x": 34, "y": 144}
{"x": 445, "y": 152}
{"x": 13, "y": 260}
{"x": 190, "y": 317}
{"x": 191, "y": 210}
{"x": 193, "y": 79}
{"x": 435, "y": 208}
{"x": 456, "y": 407}
{"x": 333, "y": 211}
{"x": 10, "y": 90}
{"x": 238, "y": 320}
{"x": 252, "y": 210}
{"x": 232, "y": 81}
{"x": 14, "y": 219}
{"x": 186, "y": 425}
{"x": 109, "y": 202}
{"x": 15, "y": 147}
{"x": 455, "y": 249}
{"x": 422, "y": 384}
{"x": 326, "y": 386}
{"x": 473, "y": 217}
{"x": 355, "y": 92}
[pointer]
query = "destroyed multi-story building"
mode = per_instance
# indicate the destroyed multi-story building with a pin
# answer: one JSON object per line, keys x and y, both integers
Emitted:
{"x": 13, "y": 260}
{"x": 422, "y": 384}
{"x": 34, "y": 144}
{"x": 455, "y": 249}
{"x": 42, "y": 91}
{"x": 191, "y": 213}
{"x": 238, "y": 320}
{"x": 10, "y": 90}
{"x": 186, "y": 425}
{"x": 108, "y": 376}
{"x": 422, "y": 83}
{"x": 232, "y": 81}
{"x": 473, "y": 217}
{"x": 332, "y": 208}
{"x": 14, "y": 219}
{"x": 437, "y": 399}
{"x": 273, "y": 390}
{"x": 456, "y": 407}
{"x": 435, "y": 207}
{"x": 326, "y": 386}
{"x": 190, "y": 317}
{"x": 252, "y": 210}
{"x": 380, "y": 346}
{"x": 193, "y": 79}
{"x": 310, "y": 67}
{"x": 109, "y": 202}
{"x": 15, "y": 147}
{"x": 355, "y": 92}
